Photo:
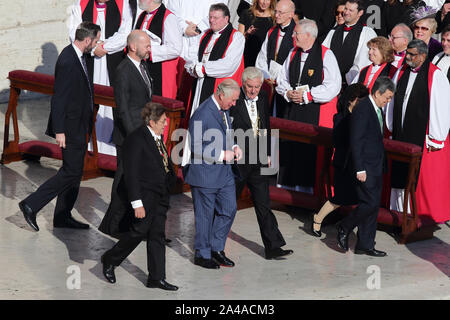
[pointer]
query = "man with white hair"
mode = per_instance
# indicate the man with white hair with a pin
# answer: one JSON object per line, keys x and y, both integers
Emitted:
{"x": 251, "y": 127}
{"x": 166, "y": 45}
{"x": 309, "y": 81}
{"x": 399, "y": 38}
{"x": 211, "y": 176}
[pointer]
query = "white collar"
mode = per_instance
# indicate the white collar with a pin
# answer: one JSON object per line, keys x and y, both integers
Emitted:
{"x": 216, "y": 103}
{"x": 77, "y": 50}
{"x": 218, "y": 32}
{"x": 373, "y": 103}
{"x": 154, "y": 134}
{"x": 136, "y": 63}
{"x": 251, "y": 100}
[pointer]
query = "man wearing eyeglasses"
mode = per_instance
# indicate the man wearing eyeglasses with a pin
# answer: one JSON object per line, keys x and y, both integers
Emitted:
{"x": 420, "y": 114}
{"x": 399, "y": 38}
{"x": 276, "y": 46}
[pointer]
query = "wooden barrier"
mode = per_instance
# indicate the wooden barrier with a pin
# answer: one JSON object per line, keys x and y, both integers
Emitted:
{"x": 96, "y": 164}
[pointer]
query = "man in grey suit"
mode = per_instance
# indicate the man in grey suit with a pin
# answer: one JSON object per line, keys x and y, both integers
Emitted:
{"x": 211, "y": 177}
{"x": 132, "y": 90}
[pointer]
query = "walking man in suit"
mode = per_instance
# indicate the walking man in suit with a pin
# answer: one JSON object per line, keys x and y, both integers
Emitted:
{"x": 70, "y": 123}
{"x": 148, "y": 177}
{"x": 133, "y": 89}
{"x": 251, "y": 125}
{"x": 211, "y": 177}
{"x": 368, "y": 155}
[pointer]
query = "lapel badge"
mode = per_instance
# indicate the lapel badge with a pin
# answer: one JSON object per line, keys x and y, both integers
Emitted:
{"x": 310, "y": 72}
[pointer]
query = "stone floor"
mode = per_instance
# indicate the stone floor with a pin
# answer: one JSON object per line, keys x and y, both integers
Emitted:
{"x": 65, "y": 264}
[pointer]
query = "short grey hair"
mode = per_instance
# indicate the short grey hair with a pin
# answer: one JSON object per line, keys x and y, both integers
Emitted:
{"x": 420, "y": 45}
{"x": 382, "y": 84}
{"x": 406, "y": 31}
{"x": 309, "y": 26}
{"x": 252, "y": 73}
{"x": 227, "y": 87}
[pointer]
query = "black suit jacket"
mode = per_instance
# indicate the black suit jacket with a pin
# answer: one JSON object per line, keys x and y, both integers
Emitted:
{"x": 366, "y": 139}
{"x": 131, "y": 94}
{"x": 144, "y": 174}
{"x": 341, "y": 140}
{"x": 241, "y": 120}
{"x": 72, "y": 101}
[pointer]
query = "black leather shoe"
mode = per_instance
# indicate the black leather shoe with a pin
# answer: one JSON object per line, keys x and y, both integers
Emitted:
{"x": 342, "y": 238}
{"x": 278, "y": 253}
{"x": 206, "y": 263}
{"x": 108, "y": 271}
{"x": 314, "y": 232}
{"x": 221, "y": 259}
{"x": 371, "y": 252}
{"x": 29, "y": 215}
{"x": 162, "y": 284}
{"x": 70, "y": 223}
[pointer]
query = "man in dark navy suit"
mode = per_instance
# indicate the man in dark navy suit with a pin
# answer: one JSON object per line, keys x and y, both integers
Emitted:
{"x": 70, "y": 123}
{"x": 211, "y": 176}
{"x": 368, "y": 155}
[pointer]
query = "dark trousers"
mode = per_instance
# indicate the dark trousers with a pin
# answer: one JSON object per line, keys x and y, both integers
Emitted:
{"x": 150, "y": 228}
{"x": 364, "y": 216}
{"x": 259, "y": 189}
{"x": 65, "y": 184}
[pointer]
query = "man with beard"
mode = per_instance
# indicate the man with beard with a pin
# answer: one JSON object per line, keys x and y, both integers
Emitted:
{"x": 70, "y": 123}
{"x": 420, "y": 114}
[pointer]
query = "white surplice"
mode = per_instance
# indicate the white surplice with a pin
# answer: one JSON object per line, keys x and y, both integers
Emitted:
{"x": 439, "y": 120}
{"x": 362, "y": 52}
{"x": 221, "y": 68}
{"x": 185, "y": 10}
{"x": 323, "y": 93}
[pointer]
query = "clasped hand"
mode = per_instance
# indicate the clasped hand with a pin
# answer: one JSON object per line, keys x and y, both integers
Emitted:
{"x": 295, "y": 96}
{"x": 232, "y": 155}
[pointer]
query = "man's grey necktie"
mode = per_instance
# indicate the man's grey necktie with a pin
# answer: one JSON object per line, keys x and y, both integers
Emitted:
{"x": 145, "y": 77}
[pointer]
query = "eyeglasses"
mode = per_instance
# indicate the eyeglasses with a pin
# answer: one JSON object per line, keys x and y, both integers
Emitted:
{"x": 339, "y": 13}
{"x": 411, "y": 54}
{"x": 280, "y": 12}
{"x": 421, "y": 28}
{"x": 393, "y": 38}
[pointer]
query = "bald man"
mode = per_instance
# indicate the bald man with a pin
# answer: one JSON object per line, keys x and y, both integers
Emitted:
{"x": 133, "y": 89}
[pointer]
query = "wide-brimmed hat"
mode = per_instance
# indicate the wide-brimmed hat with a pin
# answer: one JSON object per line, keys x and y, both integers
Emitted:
{"x": 423, "y": 12}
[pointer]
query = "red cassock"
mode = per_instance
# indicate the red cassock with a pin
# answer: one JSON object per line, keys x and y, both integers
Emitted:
{"x": 433, "y": 186}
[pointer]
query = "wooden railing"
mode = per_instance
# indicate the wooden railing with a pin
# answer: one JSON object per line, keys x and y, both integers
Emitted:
{"x": 13, "y": 150}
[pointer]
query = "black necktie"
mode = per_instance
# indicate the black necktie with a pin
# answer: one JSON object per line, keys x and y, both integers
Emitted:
{"x": 83, "y": 63}
{"x": 145, "y": 76}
